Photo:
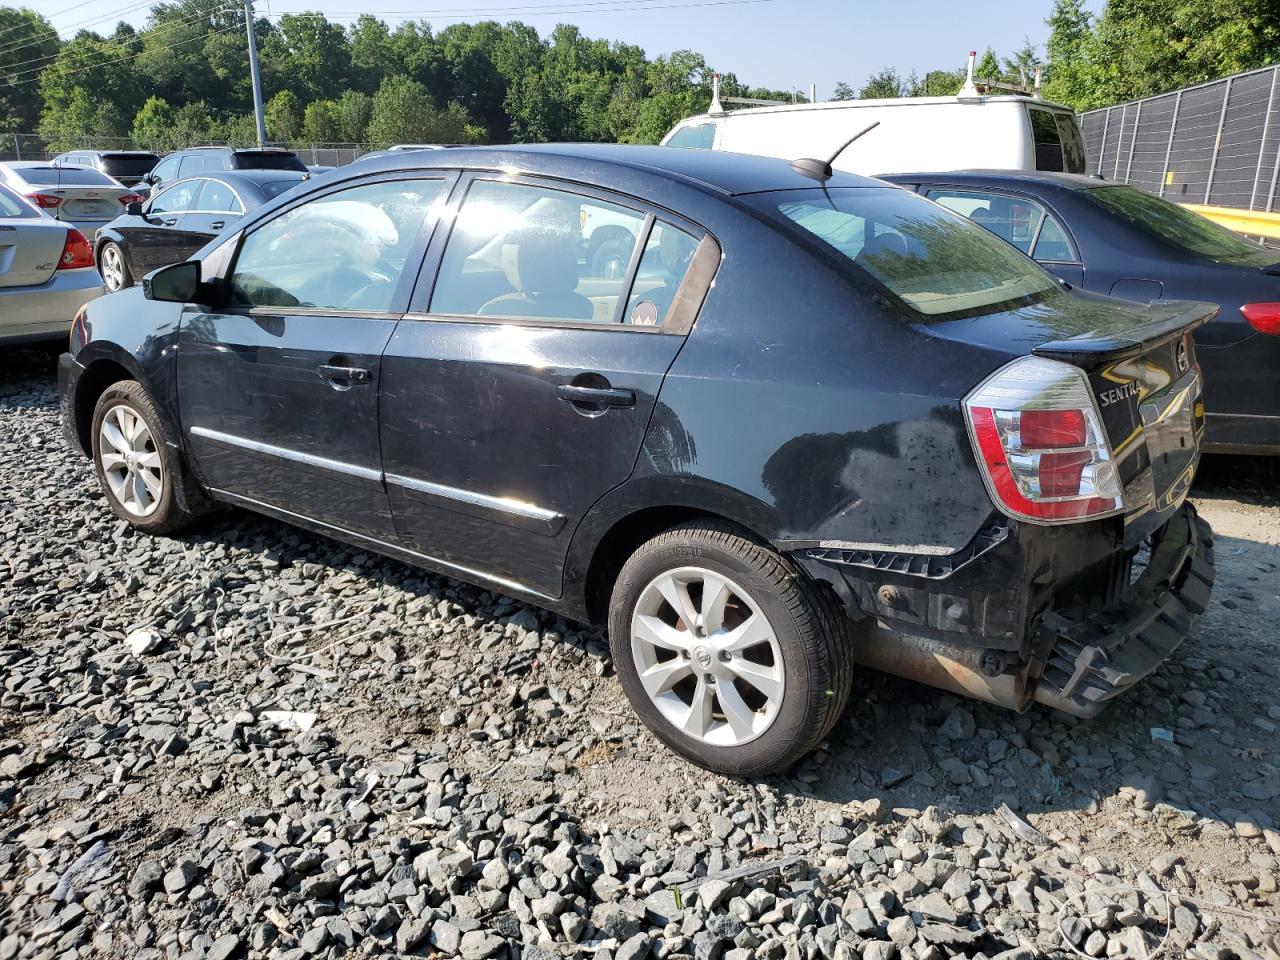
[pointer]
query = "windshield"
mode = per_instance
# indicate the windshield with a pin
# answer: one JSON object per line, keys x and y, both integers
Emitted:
{"x": 933, "y": 260}
{"x": 128, "y": 164}
{"x": 267, "y": 161}
{"x": 64, "y": 176}
{"x": 273, "y": 188}
{"x": 1179, "y": 227}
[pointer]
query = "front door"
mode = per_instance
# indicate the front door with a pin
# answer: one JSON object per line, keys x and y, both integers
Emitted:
{"x": 278, "y": 390}
{"x": 520, "y": 392}
{"x": 152, "y": 241}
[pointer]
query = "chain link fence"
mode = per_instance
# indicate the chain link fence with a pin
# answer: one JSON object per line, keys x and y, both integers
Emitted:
{"x": 30, "y": 146}
{"x": 1216, "y": 143}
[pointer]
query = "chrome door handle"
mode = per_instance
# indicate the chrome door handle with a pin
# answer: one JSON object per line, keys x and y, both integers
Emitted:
{"x": 343, "y": 376}
{"x": 604, "y": 396}
{"x": 217, "y": 225}
{"x": 171, "y": 221}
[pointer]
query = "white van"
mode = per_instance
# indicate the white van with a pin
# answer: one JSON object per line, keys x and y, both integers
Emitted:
{"x": 912, "y": 134}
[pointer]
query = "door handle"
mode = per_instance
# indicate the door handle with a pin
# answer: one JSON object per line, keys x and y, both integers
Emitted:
{"x": 217, "y": 225}
{"x": 603, "y": 396}
{"x": 171, "y": 221}
{"x": 343, "y": 376}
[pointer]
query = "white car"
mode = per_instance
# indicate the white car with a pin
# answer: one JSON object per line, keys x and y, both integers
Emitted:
{"x": 83, "y": 198}
{"x": 46, "y": 272}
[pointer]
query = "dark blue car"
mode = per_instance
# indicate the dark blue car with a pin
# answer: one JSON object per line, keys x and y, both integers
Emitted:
{"x": 807, "y": 423}
{"x": 1115, "y": 239}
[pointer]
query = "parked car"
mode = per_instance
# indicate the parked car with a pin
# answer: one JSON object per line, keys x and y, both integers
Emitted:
{"x": 1118, "y": 240}
{"x": 182, "y": 218}
{"x": 198, "y": 160}
{"x": 82, "y": 198}
{"x": 127, "y": 167}
{"x": 975, "y": 128}
{"x": 46, "y": 272}
{"x": 809, "y": 423}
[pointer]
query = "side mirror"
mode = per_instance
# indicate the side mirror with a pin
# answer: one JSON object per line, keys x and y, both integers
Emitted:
{"x": 133, "y": 208}
{"x": 176, "y": 283}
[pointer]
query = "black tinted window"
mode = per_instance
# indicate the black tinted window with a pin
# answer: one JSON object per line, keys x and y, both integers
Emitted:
{"x": 267, "y": 161}
{"x": 934, "y": 261}
{"x": 273, "y": 188}
{"x": 1044, "y": 131}
{"x": 1073, "y": 159}
{"x": 128, "y": 164}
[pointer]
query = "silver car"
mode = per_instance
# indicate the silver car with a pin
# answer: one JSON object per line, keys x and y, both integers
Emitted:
{"x": 83, "y": 198}
{"x": 46, "y": 272}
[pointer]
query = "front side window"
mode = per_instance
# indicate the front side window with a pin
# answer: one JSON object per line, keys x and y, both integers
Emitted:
{"x": 166, "y": 170}
{"x": 700, "y": 136}
{"x": 177, "y": 198}
{"x": 218, "y": 198}
{"x": 1179, "y": 227}
{"x": 341, "y": 251}
{"x": 524, "y": 251}
{"x": 933, "y": 261}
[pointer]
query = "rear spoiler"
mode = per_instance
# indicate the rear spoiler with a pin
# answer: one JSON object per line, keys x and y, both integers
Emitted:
{"x": 1090, "y": 350}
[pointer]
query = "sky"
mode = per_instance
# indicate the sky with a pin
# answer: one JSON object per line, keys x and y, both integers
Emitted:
{"x": 782, "y": 44}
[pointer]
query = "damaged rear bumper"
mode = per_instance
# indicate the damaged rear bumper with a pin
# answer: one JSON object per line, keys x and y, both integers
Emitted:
{"x": 1091, "y": 661}
{"x": 1066, "y": 618}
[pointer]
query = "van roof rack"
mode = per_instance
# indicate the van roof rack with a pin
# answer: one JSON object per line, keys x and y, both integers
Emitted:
{"x": 982, "y": 86}
{"x": 718, "y": 102}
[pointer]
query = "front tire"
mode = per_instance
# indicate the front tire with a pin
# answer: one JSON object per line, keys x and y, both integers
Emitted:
{"x": 113, "y": 268}
{"x": 137, "y": 468}
{"x": 730, "y": 655}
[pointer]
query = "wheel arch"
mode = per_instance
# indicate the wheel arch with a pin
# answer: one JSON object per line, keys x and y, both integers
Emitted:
{"x": 107, "y": 367}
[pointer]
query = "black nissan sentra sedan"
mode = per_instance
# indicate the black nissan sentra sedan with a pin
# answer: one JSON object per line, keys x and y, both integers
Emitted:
{"x": 180, "y": 219}
{"x": 812, "y": 422}
{"x": 1118, "y": 240}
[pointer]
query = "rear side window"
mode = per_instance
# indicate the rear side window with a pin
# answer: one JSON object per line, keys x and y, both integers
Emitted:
{"x": 663, "y": 265}
{"x": 1059, "y": 147}
{"x": 700, "y": 136}
{"x": 11, "y": 207}
{"x": 1017, "y": 220}
{"x": 218, "y": 198}
{"x": 523, "y": 251}
{"x": 935, "y": 262}
{"x": 343, "y": 251}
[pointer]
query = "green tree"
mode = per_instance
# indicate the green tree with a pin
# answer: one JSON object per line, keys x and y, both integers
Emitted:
{"x": 153, "y": 124}
{"x": 29, "y": 41}
{"x": 1069, "y": 70}
{"x": 403, "y": 113}
{"x": 320, "y": 122}
{"x": 844, "y": 92}
{"x": 351, "y": 113}
{"x": 988, "y": 67}
{"x": 884, "y": 85}
{"x": 1021, "y": 67}
{"x": 283, "y": 116}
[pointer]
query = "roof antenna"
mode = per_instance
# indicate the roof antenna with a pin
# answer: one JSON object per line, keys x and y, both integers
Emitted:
{"x": 820, "y": 170}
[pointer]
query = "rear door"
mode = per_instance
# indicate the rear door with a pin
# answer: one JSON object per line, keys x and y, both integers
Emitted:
{"x": 278, "y": 389}
{"x": 518, "y": 390}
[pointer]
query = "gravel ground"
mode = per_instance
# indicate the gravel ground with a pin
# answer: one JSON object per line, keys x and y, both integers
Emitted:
{"x": 474, "y": 783}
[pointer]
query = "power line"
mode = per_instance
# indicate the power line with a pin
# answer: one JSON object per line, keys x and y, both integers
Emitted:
{"x": 548, "y": 9}
{"x": 19, "y": 26}
{"x": 96, "y": 19}
{"x": 86, "y": 56}
{"x": 104, "y": 63}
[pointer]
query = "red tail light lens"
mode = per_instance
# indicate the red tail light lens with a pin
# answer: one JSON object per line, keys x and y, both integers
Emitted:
{"x": 76, "y": 252}
{"x": 45, "y": 201}
{"x": 129, "y": 198}
{"x": 1040, "y": 443}
{"x": 1263, "y": 317}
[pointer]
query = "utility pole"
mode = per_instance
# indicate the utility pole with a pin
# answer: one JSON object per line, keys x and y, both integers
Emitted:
{"x": 255, "y": 74}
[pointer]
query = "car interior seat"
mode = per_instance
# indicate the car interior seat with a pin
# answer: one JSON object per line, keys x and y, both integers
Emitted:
{"x": 541, "y": 264}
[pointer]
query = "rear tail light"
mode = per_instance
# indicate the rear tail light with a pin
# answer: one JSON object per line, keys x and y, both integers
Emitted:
{"x": 1040, "y": 443}
{"x": 129, "y": 198}
{"x": 75, "y": 252}
{"x": 1263, "y": 317}
{"x": 46, "y": 201}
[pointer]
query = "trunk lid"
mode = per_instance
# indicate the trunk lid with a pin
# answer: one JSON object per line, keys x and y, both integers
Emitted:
{"x": 29, "y": 251}
{"x": 1141, "y": 366}
{"x": 87, "y": 203}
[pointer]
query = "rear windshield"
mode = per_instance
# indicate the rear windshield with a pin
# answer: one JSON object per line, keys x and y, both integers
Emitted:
{"x": 128, "y": 164}
{"x": 64, "y": 176}
{"x": 267, "y": 161}
{"x": 273, "y": 188}
{"x": 11, "y": 207}
{"x": 934, "y": 261}
{"x": 1179, "y": 227}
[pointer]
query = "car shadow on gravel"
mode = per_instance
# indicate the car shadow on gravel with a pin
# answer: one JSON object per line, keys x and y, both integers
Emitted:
{"x": 1253, "y": 480}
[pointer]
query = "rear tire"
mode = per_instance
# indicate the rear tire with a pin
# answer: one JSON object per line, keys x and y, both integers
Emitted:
{"x": 138, "y": 469}
{"x": 113, "y": 268}
{"x": 765, "y": 671}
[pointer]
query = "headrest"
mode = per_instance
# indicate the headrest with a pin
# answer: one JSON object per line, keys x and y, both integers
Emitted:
{"x": 540, "y": 258}
{"x": 891, "y": 244}
{"x": 675, "y": 250}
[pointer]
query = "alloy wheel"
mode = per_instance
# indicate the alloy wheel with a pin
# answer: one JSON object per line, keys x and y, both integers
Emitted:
{"x": 707, "y": 656}
{"x": 130, "y": 461}
{"x": 112, "y": 267}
